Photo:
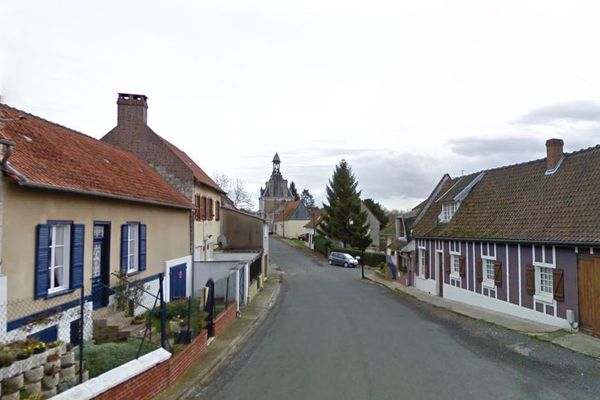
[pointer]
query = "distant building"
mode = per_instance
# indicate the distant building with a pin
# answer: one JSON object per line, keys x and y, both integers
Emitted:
{"x": 276, "y": 194}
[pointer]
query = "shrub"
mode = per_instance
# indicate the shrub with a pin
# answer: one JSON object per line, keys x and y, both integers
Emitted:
{"x": 100, "y": 358}
{"x": 322, "y": 244}
{"x": 381, "y": 267}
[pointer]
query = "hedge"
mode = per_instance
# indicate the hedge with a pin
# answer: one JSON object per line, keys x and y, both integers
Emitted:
{"x": 322, "y": 244}
{"x": 370, "y": 258}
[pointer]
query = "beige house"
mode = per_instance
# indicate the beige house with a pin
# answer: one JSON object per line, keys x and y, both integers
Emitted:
{"x": 74, "y": 211}
{"x": 291, "y": 221}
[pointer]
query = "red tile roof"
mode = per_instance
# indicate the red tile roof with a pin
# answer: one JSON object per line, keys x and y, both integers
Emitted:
{"x": 519, "y": 202}
{"x": 199, "y": 174}
{"x": 48, "y": 155}
{"x": 287, "y": 211}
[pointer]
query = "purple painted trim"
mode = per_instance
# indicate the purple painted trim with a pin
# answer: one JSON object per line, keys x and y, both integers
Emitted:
{"x": 513, "y": 276}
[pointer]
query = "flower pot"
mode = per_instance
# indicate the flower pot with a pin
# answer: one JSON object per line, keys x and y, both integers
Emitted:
{"x": 67, "y": 372}
{"x": 17, "y": 380}
{"x": 50, "y": 382}
{"x": 46, "y": 394}
{"x": 62, "y": 348}
{"x": 67, "y": 359}
{"x": 13, "y": 396}
{"x": 35, "y": 374}
{"x": 66, "y": 384}
{"x": 34, "y": 387}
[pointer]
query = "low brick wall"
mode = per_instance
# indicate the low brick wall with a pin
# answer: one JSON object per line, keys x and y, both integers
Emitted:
{"x": 151, "y": 382}
{"x": 225, "y": 318}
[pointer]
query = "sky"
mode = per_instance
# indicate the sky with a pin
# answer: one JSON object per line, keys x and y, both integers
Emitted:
{"x": 405, "y": 91}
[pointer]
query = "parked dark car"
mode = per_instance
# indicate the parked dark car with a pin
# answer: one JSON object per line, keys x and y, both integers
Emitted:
{"x": 344, "y": 259}
{"x": 303, "y": 237}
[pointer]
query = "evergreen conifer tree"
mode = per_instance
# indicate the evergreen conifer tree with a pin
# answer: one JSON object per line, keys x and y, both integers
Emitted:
{"x": 294, "y": 191}
{"x": 343, "y": 219}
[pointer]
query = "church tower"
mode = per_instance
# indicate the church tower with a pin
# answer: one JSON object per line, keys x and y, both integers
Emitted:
{"x": 276, "y": 193}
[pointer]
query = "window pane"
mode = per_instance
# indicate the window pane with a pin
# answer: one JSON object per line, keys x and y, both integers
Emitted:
{"x": 59, "y": 253}
{"x": 59, "y": 277}
{"x": 546, "y": 280}
{"x": 60, "y": 234}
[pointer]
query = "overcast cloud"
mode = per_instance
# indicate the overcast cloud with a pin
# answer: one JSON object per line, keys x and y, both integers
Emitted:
{"x": 404, "y": 90}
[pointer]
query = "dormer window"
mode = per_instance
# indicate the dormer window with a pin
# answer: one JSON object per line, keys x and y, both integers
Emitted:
{"x": 448, "y": 210}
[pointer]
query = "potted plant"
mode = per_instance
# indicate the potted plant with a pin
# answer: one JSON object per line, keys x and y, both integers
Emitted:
{"x": 24, "y": 353}
{"x": 6, "y": 359}
{"x": 39, "y": 348}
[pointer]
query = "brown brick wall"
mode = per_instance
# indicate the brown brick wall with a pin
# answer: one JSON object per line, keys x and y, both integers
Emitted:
{"x": 143, "y": 142}
{"x": 151, "y": 382}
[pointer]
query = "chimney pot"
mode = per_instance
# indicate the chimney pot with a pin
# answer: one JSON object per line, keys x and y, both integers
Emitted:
{"x": 554, "y": 152}
{"x": 132, "y": 109}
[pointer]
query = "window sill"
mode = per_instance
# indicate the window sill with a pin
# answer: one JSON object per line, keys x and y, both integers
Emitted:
{"x": 132, "y": 273}
{"x": 543, "y": 299}
{"x": 489, "y": 285}
{"x": 58, "y": 293}
{"x": 455, "y": 276}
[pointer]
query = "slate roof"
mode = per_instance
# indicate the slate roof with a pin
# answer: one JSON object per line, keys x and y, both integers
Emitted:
{"x": 519, "y": 202}
{"x": 50, "y": 156}
{"x": 199, "y": 174}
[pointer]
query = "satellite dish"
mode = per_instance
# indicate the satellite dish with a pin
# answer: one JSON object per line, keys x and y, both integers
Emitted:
{"x": 222, "y": 241}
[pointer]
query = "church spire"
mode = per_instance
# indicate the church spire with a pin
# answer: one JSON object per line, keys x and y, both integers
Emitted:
{"x": 276, "y": 164}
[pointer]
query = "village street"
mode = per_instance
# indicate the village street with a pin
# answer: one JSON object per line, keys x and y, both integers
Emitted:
{"x": 332, "y": 336}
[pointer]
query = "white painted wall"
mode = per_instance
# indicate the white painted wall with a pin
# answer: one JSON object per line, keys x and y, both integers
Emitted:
{"x": 426, "y": 285}
{"x": 63, "y": 320}
{"x": 479, "y": 300}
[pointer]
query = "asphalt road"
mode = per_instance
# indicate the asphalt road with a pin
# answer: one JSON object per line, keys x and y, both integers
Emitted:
{"x": 333, "y": 336}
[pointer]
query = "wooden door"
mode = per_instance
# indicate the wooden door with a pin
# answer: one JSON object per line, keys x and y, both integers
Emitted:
{"x": 589, "y": 294}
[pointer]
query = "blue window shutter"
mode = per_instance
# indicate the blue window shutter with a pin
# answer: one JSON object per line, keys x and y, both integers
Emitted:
{"x": 77, "y": 243}
{"x": 124, "y": 244}
{"x": 142, "y": 247}
{"x": 42, "y": 261}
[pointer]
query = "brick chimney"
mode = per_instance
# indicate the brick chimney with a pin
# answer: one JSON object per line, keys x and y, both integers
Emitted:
{"x": 554, "y": 152}
{"x": 132, "y": 109}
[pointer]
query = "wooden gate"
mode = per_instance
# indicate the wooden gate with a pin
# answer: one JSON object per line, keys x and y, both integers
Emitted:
{"x": 589, "y": 294}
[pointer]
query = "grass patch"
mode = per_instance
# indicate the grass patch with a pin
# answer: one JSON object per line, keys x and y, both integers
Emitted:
{"x": 100, "y": 358}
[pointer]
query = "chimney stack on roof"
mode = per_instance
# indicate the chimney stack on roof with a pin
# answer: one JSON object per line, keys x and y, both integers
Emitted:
{"x": 132, "y": 109}
{"x": 554, "y": 152}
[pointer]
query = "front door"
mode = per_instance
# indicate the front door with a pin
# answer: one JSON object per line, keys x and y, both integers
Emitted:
{"x": 589, "y": 293}
{"x": 100, "y": 265}
{"x": 177, "y": 281}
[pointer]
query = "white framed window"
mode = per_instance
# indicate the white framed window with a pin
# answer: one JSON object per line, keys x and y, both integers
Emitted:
{"x": 488, "y": 272}
{"x": 455, "y": 265}
{"x": 422, "y": 254}
{"x": 132, "y": 247}
{"x": 544, "y": 264}
{"x": 448, "y": 210}
{"x": 60, "y": 246}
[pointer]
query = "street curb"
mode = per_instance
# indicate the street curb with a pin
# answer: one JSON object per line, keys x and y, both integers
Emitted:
{"x": 235, "y": 344}
{"x": 454, "y": 311}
